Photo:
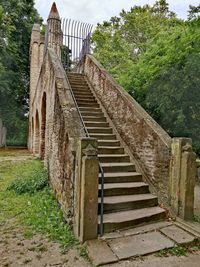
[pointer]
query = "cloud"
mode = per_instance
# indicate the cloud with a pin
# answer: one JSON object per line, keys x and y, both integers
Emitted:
{"x": 94, "y": 11}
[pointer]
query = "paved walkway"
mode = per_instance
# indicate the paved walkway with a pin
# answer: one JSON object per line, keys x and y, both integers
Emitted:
{"x": 141, "y": 241}
{"x": 192, "y": 260}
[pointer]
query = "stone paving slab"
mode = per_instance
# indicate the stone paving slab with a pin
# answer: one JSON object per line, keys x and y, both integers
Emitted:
{"x": 100, "y": 253}
{"x": 137, "y": 230}
{"x": 146, "y": 228}
{"x": 189, "y": 226}
{"x": 177, "y": 234}
{"x": 139, "y": 245}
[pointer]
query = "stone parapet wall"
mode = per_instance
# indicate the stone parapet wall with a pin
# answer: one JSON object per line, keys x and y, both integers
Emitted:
{"x": 59, "y": 129}
{"x": 198, "y": 171}
{"x": 148, "y": 143}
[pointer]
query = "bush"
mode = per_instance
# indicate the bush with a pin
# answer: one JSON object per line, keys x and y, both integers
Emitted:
{"x": 37, "y": 181}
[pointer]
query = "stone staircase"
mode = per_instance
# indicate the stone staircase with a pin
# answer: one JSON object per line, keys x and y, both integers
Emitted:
{"x": 127, "y": 200}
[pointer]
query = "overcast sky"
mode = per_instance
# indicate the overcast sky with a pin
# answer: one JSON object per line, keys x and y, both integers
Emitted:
{"x": 93, "y": 11}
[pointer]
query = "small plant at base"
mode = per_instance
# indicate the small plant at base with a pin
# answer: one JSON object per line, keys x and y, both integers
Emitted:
{"x": 83, "y": 252}
{"x": 175, "y": 251}
{"x": 31, "y": 184}
{"x": 197, "y": 218}
{"x": 33, "y": 205}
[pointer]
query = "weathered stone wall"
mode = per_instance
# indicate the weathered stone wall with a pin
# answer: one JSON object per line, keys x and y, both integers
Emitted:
{"x": 198, "y": 171}
{"x": 147, "y": 142}
{"x": 55, "y": 128}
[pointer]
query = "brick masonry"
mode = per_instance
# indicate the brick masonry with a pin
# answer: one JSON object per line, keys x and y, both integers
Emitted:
{"x": 55, "y": 127}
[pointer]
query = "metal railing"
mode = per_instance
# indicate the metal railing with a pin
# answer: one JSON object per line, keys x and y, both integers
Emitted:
{"x": 76, "y": 44}
{"x": 100, "y": 167}
{"x": 76, "y": 41}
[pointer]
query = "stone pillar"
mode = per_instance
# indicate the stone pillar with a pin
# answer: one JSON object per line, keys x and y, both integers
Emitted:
{"x": 86, "y": 189}
{"x": 187, "y": 182}
{"x": 54, "y": 32}
{"x": 182, "y": 178}
{"x": 36, "y": 60}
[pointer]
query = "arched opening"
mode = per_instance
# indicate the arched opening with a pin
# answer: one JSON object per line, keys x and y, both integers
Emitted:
{"x": 32, "y": 134}
{"x": 43, "y": 126}
{"x": 37, "y": 134}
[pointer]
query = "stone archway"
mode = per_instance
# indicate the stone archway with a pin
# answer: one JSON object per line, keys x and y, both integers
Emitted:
{"x": 37, "y": 134}
{"x": 32, "y": 134}
{"x": 43, "y": 126}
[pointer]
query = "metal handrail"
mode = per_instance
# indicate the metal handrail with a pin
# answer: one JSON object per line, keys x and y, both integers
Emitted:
{"x": 84, "y": 30}
{"x": 100, "y": 167}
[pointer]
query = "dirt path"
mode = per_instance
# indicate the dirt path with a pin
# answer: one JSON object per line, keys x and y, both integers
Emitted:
{"x": 38, "y": 251}
{"x": 17, "y": 249}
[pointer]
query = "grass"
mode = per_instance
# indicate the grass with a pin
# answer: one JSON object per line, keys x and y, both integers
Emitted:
{"x": 13, "y": 151}
{"x": 180, "y": 250}
{"x": 26, "y": 196}
{"x": 175, "y": 251}
{"x": 197, "y": 218}
{"x": 31, "y": 184}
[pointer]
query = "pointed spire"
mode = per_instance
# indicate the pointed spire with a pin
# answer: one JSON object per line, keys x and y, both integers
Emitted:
{"x": 54, "y": 8}
{"x": 54, "y": 12}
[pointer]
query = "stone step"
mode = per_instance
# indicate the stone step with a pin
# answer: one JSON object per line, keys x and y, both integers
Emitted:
{"x": 126, "y": 219}
{"x": 96, "y": 124}
{"x": 94, "y": 114}
{"x": 95, "y": 119}
{"x": 108, "y": 142}
{"x": 78, "y": 91}
{"x": 117, "y": 189}
{"x": 92, "y": 110}
{"x": 121, "y": 177}
{"x": 113, "y": 158}
{"x": 102, "y": 136}
{"x": 118, "y": 167}
{"x": 88, "y": 105}
{"x": 85, "y": 98}
{"x": 78, "y": 82}
{"x": 75, "y": 74}
{"x": 128, "y": 202}
{"x": 99, "y": 130}
{"x": 80, "y": 87}
{"x": 83, "y": 93}
{"x": 110, "y": 150}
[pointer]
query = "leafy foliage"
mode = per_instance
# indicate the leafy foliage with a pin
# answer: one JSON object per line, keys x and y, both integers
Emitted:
{"x": 30, "y": 184}
{"x": 38, "y": 211}
{"x": 175, "y": 251}
{"x": 16, "y": 21}
{"x": 155, "y": 56}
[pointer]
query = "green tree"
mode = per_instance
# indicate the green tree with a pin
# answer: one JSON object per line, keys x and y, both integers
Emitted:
{"x": 16, "y": 21}
{"x": 155, "y": 56}
{"x": 118, "y": 43}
